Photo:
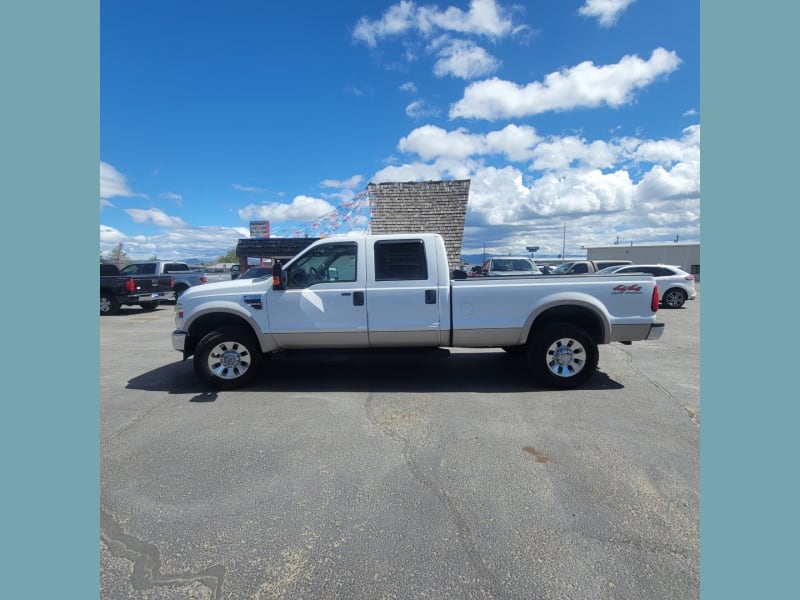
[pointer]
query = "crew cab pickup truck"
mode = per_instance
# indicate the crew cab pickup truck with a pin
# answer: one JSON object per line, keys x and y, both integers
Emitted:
{"x": 118, "y": 290}
{"x": 183, "y": 276}
{"x": 395, "y": 290}
{"x": 578, "y": 267}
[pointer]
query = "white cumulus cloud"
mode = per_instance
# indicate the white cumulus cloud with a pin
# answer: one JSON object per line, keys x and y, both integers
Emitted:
{"x": 464, "y": 59}
{"x": 302, "y": 208}
{"x": 484, "y": 18}
{"x": 156, "y": 216}
{"x": 605, "y": 11}
{"x": 585, "y": 85}
{"x": 113, "y": 183}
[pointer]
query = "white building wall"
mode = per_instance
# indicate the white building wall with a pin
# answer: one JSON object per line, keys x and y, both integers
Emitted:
{"x": 685, "y": 256}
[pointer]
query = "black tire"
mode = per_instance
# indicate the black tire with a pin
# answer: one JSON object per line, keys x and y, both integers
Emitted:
{"x": 673, "y": 298}
{"x": 516, "y": 349}
{"x": 227, "y": 358}
{"x": 148, "y": 306}
{"x": 108, "y": 305}
{"x": 562, "y": 356}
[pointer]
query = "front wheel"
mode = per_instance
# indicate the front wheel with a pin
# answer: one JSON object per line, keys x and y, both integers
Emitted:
{"x": 673, "y": 298}
{"x": 562, "y": 356}
{"x": 227, "y": 358}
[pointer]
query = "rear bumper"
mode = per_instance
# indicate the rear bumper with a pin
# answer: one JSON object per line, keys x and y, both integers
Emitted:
{"x": 636, "y": 333}
{"x": 656, "y": 330}
{"x": 145, "y": 297}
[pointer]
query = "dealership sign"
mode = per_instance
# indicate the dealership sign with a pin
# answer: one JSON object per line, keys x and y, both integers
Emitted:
{"x": 259, "y": 229}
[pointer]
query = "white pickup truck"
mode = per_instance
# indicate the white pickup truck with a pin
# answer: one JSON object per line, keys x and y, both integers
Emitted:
{"x": 391, "y": 291}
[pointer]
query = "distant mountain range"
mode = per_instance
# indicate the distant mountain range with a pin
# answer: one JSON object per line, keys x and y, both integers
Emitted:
{"x": 211, "y": 260}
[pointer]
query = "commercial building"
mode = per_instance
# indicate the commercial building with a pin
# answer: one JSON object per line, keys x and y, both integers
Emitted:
{"x": 683, "y": 255}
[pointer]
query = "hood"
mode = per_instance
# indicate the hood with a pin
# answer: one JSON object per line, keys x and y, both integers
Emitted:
{"x": 221, "y": 288}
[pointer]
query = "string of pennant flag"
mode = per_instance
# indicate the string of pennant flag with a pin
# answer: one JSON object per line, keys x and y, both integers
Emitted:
{"x": 354, "y": 214}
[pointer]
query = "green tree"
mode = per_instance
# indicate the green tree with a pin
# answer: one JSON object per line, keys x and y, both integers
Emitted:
{"x": 230, "y": 257}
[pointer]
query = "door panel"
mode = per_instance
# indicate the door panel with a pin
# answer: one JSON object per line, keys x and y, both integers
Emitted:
{"x": 404, "y": 300}
{"x": 323, "y": 304}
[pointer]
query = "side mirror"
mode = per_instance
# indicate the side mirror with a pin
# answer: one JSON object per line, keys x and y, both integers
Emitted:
{"x": 277, "y": 276}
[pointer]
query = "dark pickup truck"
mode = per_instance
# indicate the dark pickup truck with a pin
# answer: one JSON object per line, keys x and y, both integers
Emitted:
{"x": 578, "y": 267}
{"x": 118, "y": 290}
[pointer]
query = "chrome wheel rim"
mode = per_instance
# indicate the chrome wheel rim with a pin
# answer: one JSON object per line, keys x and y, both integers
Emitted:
{"x": 566, "y": 357}
{"x": 229, "y": 360}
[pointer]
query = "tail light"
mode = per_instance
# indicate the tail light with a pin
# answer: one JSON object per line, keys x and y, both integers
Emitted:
{"x": 654, "y": 299}
{"x": 171, "y": 283}
{"x": 130, "y": 285}
{"x": 689, "y": 278}
{"x": 203, "y": 279}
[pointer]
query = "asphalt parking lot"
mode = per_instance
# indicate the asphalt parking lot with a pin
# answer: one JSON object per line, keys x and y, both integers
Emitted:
{"x": 399, "y": 475}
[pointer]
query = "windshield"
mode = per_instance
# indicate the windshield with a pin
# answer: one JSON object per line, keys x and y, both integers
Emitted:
{"x": 563, "y": 268}
{"x": 256, "y": 272}
{"x": 512, "y": 264}
{"x": 607, "y": 270}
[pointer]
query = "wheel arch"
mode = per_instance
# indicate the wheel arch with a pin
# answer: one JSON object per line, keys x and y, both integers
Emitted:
{"x": 205, "y": 323}
{"x": 583, "y": 315}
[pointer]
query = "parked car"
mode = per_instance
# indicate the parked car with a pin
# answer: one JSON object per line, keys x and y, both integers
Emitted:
{"x": 578, "y": 267}
{"x": 675, "y": 285}
{"x": 118, "y": 290}
{"x": 183, "y": 275}
{"x": 254, "y": 272}
{"x": 510, "y": 265}
{"x": 235, "y": 272}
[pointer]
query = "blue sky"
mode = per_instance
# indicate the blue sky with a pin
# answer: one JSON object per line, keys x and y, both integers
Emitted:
{"x": 584, "y": 113}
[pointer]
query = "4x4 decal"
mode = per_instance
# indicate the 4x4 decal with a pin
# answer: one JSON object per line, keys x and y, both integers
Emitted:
{"x": 627, "y": 289}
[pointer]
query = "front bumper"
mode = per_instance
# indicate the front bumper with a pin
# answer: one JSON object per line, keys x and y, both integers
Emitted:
{"x": 179, "y": 340}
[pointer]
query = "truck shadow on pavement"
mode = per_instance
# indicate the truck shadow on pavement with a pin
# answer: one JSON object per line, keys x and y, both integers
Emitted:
{"x": 370, "y": 371}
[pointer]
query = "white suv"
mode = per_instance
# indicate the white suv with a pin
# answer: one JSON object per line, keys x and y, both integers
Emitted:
{"x": 675, "y": 285}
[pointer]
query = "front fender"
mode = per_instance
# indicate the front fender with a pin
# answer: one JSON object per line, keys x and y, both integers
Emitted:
{"x": 219, "y": 313}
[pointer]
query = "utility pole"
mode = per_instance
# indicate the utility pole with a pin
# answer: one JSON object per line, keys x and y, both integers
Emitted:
{"x": 564, "y": 243}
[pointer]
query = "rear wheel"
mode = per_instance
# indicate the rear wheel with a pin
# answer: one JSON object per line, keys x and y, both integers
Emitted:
{"x": 148, "y": 306}
{"x": 108, "y": 305}
{"x": 673, "y": 298}
{"x": 562, "y": 356}
{"x": 227, "y": 358}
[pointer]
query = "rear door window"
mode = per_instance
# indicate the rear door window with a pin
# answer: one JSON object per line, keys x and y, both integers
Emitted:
{"x": 580, "y": 268}
{"x": 400, "y": 260}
